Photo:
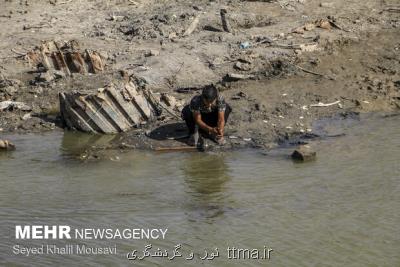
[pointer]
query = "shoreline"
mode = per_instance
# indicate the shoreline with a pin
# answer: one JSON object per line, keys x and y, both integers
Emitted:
{"x": 357, "y": 65}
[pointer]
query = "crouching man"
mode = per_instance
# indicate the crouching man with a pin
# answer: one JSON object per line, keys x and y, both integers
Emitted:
{"x": 207, "y": 114}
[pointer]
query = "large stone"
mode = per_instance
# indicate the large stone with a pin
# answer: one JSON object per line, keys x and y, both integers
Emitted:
{"x": 6, "y": 145}
{"x": 304, "y": 153}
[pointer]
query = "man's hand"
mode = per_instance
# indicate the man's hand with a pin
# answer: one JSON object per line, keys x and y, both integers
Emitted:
{"x": 214, "y": 131}
{"x": 220, "y": 132}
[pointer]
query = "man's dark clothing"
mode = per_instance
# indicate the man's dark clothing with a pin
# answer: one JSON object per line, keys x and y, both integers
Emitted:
{"x": 208, "y": 115}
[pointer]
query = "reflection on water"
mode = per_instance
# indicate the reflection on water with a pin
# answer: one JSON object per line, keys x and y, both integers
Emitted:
{"x": 74, "y": 143}
{"x": 341, "y": 210}
{"x": 205, "y": 175}
{"x": 205, "y": 178}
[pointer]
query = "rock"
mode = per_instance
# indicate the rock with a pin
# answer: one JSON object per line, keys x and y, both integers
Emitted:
{"x": 6, "y": 105}
{"x": 249, "y": 59}
{"x": 10, "y": 82}
{"x": 172, "y": 35}
{"x": 59, "y": 74}
{"x": 299, "y": 30}
{"x": 6, "y": 145}
{"x": 304, "y": 153}
{"x": 309, "y": 47}
{"x": 27, "y": 116}
{"x": 10, "y": 90}
{"x": 242, "y": 66}
{"x": 151, "y": 53}
{"x": 45, "y": 77}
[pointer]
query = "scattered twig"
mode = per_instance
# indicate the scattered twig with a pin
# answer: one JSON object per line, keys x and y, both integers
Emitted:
{"x": 28, "y": 27}
{"x": 237, "y": 77}
{"x": 133, "y": 65}
{"x": 391, "y": 9}
{"x": 320, "y": 104}
{"x": 180, "y": 68}
{"x": 286, "y": 46}
{"x": 315, "y": 73}
{"x": 225, "y": 23}
{"x": 192, "y": 26}
{"x": 211, "y": 28}
{"x": 18, "y": 53}
{"x": 335, "y": 25}
{"x": 61, "y": 3}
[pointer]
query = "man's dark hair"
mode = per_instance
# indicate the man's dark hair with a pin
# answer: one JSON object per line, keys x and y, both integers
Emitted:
{"x": 209, "y": 93}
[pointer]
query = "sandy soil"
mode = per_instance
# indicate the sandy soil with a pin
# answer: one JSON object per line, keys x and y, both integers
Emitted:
{"x": 292, "y": 60}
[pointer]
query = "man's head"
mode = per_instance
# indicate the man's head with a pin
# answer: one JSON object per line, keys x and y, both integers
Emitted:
{"x": 209, "y": 95}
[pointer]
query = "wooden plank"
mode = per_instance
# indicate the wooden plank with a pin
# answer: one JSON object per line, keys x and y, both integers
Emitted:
{"x": 114, "y": 116}
{"x": 140, "y": 101}
{"x": 72, "y": 117}
{"x": 130, "y": 111}
{"x": 96, "y": 117}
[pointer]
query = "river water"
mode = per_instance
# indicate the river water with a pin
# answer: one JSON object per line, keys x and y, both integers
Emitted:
{"x": 341, "y": 210}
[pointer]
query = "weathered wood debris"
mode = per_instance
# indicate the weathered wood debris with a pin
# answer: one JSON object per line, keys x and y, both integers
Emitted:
{"x": 67, "y": 57}
{"x": 114, "y": 108}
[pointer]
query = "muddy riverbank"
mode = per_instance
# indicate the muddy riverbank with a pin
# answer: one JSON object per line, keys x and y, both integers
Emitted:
{"x": 301, "y": 61}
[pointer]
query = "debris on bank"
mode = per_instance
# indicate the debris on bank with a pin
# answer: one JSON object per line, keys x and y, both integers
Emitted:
{"x": 320, "y": 104}
{"x": 114, "y": 109}
{"x": 12, "y": 105}
{"x": 67, "y": 57}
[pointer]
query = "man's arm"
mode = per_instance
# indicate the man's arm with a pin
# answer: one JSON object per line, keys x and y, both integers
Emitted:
{"x": 221, "y": 123}
{"x": 202, "y": 124}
